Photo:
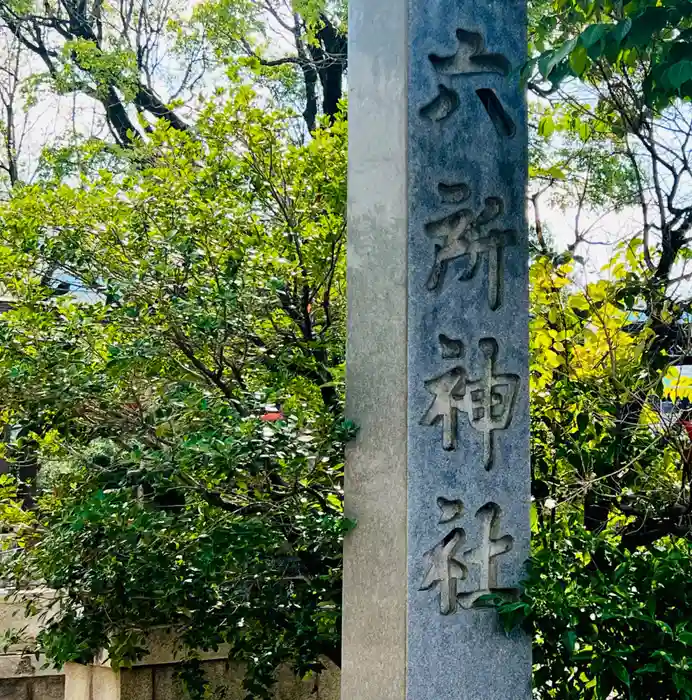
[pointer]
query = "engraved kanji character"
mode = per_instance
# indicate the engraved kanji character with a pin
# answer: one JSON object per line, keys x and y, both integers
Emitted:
{"x": 447, "y": 568}
{"x": 471, "y": 58}
{"x": 488, "y": 401}
{"x": 485, "y": 554}
{"x": 444, "y": 570}
{"x": 463, "y": 233}
{"x": 444, "y": 405}
{"x": 449, "y": 509}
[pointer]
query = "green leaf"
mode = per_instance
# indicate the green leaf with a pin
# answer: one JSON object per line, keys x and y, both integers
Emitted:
{"x": 648, "y": 668}
{"x": 534, "y": 518}
{"x": 648, "y": 23}
{"x": 546, "y": 126}
{"x": 679, "y": 73}
{"x": 549, "y": 61}
{"x": 621, "y": 673}
{"x": 621, "y": 30}
{"x": 683, "y": 683}
{"x": 579, "y": 302}
{"x": 579, "y": 60}
{"x": 570, "y": 641}
{"x": 593, "y": 35}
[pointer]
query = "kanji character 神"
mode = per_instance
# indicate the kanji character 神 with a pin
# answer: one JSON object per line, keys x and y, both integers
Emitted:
{"x": 488, "y": 401}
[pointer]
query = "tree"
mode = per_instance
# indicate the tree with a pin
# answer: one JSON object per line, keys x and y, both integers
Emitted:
{"x": 8, "y": 96}
{"x": 611, "y": 462}
{"x": 111, "y": 55}
{"x": 207, "y": 284}
{"x": 311, "y": 74}
{"x": 184, "y": 397}
{"x": 637, "y": 84}
{"x": 141, "y": 61}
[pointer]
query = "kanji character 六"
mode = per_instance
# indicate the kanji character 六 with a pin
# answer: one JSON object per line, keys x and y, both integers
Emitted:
{"x": 471, "y": 58}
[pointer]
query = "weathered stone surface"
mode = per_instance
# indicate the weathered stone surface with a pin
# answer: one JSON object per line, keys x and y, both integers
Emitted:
{"x": 26, "y": 665}
{"x": 42, "y": 688}
{"x": 48, "y": 688}
{"x": 137, "y": 683}
{"x": 461, "y": 230}
{"x": 160, "y": 682}
{"x": 374, "y": 631}
{"x": 467, "y": 262}
{"x": 13, "y": 612}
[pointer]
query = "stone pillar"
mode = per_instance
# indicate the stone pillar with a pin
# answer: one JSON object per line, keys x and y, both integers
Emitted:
{"x": 437, "y": 366}
{"x": 374, "y": 633}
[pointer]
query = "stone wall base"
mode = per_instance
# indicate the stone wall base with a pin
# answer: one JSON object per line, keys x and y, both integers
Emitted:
{"x": 159, "y": 682}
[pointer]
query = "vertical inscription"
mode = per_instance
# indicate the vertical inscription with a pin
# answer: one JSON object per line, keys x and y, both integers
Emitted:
{"x": 468, "y": 469}
{"x": 464, "y": 233}
{"x": 453, "y": 569}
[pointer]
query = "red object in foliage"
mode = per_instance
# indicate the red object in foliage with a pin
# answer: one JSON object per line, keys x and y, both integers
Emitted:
{"x": 273, "y": 416}
{"x": 687, "y": 424}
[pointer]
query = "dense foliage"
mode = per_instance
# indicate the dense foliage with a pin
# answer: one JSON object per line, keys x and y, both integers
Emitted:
{"x": 605, "y": 596}
{"x": 617, "y": 629}
{"x": 605, "y": 599}
{"x": 207, "y": 286}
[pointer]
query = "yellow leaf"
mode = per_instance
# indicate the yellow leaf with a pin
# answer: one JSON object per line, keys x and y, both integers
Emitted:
{"x": 578, "y": 302}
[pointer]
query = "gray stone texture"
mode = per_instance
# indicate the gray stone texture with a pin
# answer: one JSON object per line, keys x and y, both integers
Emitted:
{"x": 374, "y": 629}
{"x": 437, "y": 364}
{"x": 456, "y": 163}
{"x": 40, "y": 688}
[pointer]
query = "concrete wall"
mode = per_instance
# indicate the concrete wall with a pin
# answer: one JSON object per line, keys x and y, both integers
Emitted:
{"x": 44, "y": 688}
{"x": 24, "y": 677}
{"x": 13, "y": 613}
{"x": 159, "y": 682}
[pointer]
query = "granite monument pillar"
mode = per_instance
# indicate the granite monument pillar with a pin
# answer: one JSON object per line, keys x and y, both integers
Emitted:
{"x": 437, "y": 364}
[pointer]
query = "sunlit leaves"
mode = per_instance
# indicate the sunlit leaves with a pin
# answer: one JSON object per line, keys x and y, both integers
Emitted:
{"x": 603, "y": 620}
{"x": 650, "y": 39}
{"x": 579, "y": 59}
{"x": 677, "y": 386}
{"x": 206, "y": 281}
